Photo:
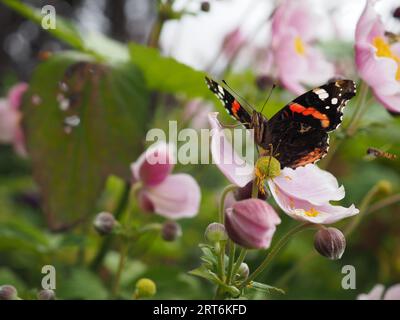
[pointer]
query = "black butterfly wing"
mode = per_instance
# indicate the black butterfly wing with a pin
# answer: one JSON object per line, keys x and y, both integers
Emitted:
{"x": 298, "y": 133}
{"x": 233, "y": 107}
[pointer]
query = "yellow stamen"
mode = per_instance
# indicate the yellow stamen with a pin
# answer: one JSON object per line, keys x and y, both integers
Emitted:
{"x": 383, "y": 50}
{"x": 312, "y": 212}
{"x": 260, "y": 177}
{"x": 299, "y": 46}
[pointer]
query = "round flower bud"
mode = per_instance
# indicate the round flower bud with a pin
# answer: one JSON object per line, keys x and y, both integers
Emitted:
{"x": 46, "y": 294}
{"x": 330, "y": 243}
{"x": 243, "y": 271}
{"x": 251, "y": 223}
{"x": 245, "y": 192}
{"x": 385, "y": 186}
{"x": 216, "y": 232}
{"x": 8, "y": 292}
{"x": 145, "y": 288}
{"x": 205, "y": 6}
{"x": 104, "y": 223}
{"x": 171, "y": 231}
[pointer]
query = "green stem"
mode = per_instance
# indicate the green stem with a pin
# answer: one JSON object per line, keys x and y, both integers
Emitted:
{"x": 359, "y": 111}
{"x": 281, "y": 243}
{"x": 121, "y": 264}
{"x": 363, "y": 208}
{"x": 225, "y": 192}
{"x": 122, "y": 204}
{"x": 239, "y": 261}
{"x": 232, "y": 250}
{"x": 384, "y": 203}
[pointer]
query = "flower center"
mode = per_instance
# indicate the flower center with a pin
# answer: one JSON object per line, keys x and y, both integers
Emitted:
{"x": 383, "y": 50}
{"x": 299, "y": 46}
{"x": 312, "y": 212}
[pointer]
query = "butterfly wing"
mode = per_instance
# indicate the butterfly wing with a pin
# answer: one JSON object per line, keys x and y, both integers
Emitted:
{"x": 233, "y": 107}
{"x": 299, "y": 131}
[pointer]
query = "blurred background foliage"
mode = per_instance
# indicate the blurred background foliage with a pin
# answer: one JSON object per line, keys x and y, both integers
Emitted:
{"x": 120, "y": 85}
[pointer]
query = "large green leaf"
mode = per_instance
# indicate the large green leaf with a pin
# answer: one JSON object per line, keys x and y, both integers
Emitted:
{"x": 100, "y": 132}
{"x": 168, "y": 75}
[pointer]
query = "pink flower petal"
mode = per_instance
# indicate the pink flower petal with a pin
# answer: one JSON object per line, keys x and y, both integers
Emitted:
{"x": 391, "y": 103}
{"x": 295, "y": 70}
{"x": 310, "y": 183}
{"x": 251, "y": 223}
{"x": 154, "y": 165}
{"x": 375, "y": 294}
{"x": 393, "y": 293}
{"x": 8, "y": 122}
{"x": 178, "y": 196}
{"x": 235, "y": 169}
{"x": 15, "y": 95}
{"x": 304, "y": 210}
{"x": 378, "y": 72}
{"x": 369, "y": 25}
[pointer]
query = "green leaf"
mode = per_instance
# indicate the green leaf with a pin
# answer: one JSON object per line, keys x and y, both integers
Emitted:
{"x": 73, "y": 151}
{"x": 64, "y": 30}
{"x": 265, "y": 288}
{"x": 205, "y": 273}
{"x": 167, "y": 74}
{"x": 81, "y": 284}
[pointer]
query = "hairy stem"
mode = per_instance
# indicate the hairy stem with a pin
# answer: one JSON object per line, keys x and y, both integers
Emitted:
{"x": 281, "y": 243}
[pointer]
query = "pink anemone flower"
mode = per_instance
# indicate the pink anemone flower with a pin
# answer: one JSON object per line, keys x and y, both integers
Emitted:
{"x": 297, "y": 60}
{"x": 173, "y": 196}
{"x": 377, "y": 58}
{"x": 304, "y": 193}
{"x": 392, "y": 293}
{"x": 10, "y": 116}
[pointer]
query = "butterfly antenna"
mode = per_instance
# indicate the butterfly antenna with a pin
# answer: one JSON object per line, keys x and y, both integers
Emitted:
{"x": 269, "y": 95}
{"x": 244, "y": 100}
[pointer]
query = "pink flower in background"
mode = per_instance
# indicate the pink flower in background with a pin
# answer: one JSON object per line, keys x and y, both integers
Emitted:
{"x": 377, "y": 59}
{"x": 172, "y": 196}
{"x": 10, "y": 116}
{"x": 251, "y": 223}
{"x": 393, "y": 293}
{"x": 298, "y": 62}
{"x": 304, "y": 193}
{"x": 232, "y": 42}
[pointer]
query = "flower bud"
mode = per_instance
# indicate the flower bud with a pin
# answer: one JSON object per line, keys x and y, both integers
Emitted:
{"x": 243, "y": 271}
{"x": 216, "y": 232}
{"x": 171, "y": 231}
{"x": 145, "y": 288}
{"x": 205, "y": 6}
{"x": 385, "y": 186}
{"x": 330, "y": 243}
{"x": 8, "y": 292}
{"x": 251, "y": 223}
{"x": 245, "y": 192}
{"x": 46, "y": 294}
{"x": 104, "y": 223}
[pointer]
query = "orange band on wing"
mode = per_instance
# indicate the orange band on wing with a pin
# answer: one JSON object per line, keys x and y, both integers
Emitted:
{"x": 235, "y": 107}
{"x": 295, "y": 107}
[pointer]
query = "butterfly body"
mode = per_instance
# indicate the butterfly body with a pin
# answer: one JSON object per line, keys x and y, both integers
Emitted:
{"x": 297, "y": 134}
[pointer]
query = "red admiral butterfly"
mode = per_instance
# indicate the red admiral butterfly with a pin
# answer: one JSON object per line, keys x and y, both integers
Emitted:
{"x": 298, "y": 133}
